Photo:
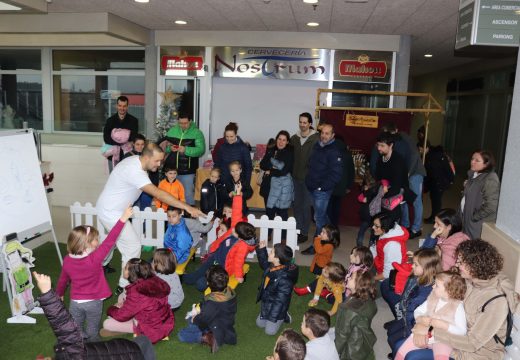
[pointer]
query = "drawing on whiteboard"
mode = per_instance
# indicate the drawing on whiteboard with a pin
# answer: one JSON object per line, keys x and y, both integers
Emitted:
{"x": 23, "y": 199}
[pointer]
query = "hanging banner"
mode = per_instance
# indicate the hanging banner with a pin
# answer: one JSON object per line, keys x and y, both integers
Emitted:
{"x": 363, "y": 66}
{"x": 366, "y": 121}
{"x": 272, "y": 63}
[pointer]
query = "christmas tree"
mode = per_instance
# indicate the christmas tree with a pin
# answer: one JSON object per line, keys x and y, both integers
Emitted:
{"x": 168, "y": 112}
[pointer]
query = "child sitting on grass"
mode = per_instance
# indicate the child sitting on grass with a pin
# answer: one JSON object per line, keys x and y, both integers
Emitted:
{"x": 324, "y": 245}
{"x": 315, "y": 327}
{"x": 178, "y": 236}
{"x": 361, "y": 259}
{"x": 172, "y": 186}
{"x": 145, "y": 310}
{"x": 231, "y": 252}
{"x": 275, "y": 290}
{"x": 289, "y": 346}
{"x": 212, "y": 323}
{"x": 83, "y": 269}
{"x": 330, "y": 285}
{"x": 354, "y": 337}
{"x": 163, "y": 264}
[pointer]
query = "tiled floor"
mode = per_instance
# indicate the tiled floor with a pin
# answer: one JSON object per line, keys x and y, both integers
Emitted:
{"x": 62, "y": 224}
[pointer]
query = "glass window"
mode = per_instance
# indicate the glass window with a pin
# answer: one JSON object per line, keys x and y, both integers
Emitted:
{"x": 359, "y": 100}
{"x": 84, "y": 102}
{"x": 98, "y": 60}
{"x": 20, "y": 89}
{"x": 20, "y": 59}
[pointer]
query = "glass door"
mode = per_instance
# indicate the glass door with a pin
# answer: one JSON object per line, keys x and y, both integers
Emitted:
{"x": 184, "y": 92}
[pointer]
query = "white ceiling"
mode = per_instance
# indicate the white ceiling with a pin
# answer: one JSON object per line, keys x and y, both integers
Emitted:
{"x": 431, "y": 23}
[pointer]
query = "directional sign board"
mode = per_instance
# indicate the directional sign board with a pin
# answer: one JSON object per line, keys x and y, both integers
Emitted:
{"x": 488, "y": 22}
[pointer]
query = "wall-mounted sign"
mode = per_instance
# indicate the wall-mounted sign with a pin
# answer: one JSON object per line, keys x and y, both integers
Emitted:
{"x": 488, "y": 22}
{"x": 272, "y": 63}
{"x": 367, "y": 121}
{"x": 362, "y": 66}
{"x": 182, "y": 62}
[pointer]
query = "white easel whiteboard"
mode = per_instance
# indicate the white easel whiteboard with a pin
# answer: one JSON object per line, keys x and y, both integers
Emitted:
{"x": 23, "y": 200}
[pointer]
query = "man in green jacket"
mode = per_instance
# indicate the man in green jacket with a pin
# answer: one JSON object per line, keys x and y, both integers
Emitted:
{"x": 302, "y": 142}
{"x": 184, "y": 143}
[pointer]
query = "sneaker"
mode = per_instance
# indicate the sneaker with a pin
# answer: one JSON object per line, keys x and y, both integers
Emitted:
{"x": 109, "y": 269}
{"x": 415, "y": 234}
{"x": 309, "y": 251}
{"x": 302, "y": 238}
{"x": 209, "y": 340}
{"x": 118, "y": 290}
{"x": 302, "y": 291}
{"x": 288, "y": 318}
{"x": 109, "y": 333}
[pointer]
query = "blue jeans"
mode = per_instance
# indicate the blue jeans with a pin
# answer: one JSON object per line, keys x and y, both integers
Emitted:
{"x": 188, "y": 181}
{"x": 302, "y": 206}
{"x": 198, "y": 277}
{"x": 389, "y": 295}
{"x": 416, "y": 182}
{"x": 320, "y": 201}
{"x": 190, "y": 334}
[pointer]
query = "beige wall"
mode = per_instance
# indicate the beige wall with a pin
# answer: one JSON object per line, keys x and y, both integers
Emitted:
{"x": 80, "y": 173}
{"x": 509, "y": 248}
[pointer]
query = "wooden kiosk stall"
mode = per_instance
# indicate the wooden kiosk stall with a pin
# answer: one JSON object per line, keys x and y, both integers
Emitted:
{"x": 360, "y": 126}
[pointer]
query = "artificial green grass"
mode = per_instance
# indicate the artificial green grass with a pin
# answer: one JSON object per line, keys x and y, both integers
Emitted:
{"x": 25, "y": 342}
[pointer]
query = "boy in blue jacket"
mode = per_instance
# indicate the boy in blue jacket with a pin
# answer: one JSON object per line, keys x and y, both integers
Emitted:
{"x": 178, "y": 238}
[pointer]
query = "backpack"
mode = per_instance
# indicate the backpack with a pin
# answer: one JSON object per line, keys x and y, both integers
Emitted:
{"x": 509, "y": 320}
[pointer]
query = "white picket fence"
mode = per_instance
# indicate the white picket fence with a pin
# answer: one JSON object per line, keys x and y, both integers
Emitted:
{"x": 152, "y": 233}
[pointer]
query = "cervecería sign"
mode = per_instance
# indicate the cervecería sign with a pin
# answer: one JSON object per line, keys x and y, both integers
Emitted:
{"x": 363, "y": 67}
{"x": 272, "y": 63}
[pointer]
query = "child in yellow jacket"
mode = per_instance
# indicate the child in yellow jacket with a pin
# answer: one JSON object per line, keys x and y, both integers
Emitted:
{"x": 330, "y": 285}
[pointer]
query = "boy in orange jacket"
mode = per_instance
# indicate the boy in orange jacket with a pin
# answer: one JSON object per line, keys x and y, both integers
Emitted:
{"x": 172, "y": 186}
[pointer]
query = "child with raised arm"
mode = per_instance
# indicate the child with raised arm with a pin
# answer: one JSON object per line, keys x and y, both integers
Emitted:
{"x": 274, "y": 293}
{"x": 83, "y": 270}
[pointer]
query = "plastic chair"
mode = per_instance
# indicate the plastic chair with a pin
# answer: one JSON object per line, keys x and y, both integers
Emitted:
{"x": 181, "y": 268}
{"x": 232, "y": 282}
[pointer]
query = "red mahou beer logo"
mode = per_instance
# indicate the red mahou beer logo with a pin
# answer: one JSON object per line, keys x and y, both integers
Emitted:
{"x": 189, "y": 63}
{"x": 362, "y": 67}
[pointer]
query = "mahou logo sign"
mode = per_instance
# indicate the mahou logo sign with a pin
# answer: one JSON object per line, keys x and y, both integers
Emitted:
{"x": 363, "y": 67}
{"x": 182, "y": 63}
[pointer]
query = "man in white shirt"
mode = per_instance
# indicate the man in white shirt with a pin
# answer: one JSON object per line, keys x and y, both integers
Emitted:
{"x": 124, "y": 186}
{"x": 315, "y": 326}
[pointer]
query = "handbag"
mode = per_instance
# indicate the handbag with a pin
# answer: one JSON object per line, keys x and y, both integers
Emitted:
{"x": 390, "y": 203}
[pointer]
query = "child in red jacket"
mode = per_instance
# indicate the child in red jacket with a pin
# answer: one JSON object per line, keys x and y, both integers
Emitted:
{"x": 145, "y": 310}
